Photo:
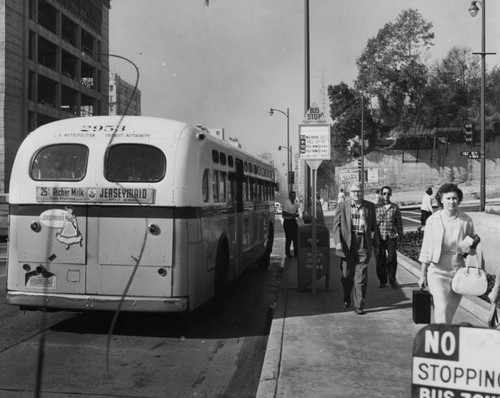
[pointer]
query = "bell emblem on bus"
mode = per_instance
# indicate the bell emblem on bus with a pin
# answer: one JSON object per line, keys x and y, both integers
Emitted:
{"x": 69, "y": 233}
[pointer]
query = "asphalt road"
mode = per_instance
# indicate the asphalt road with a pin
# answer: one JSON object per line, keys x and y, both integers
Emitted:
{"x": 211, "y": 353}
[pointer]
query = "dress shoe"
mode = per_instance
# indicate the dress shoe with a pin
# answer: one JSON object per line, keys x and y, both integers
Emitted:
{"x": 382, "y": 285}
{"x": 394, "y": 285}
{"x": 347, "y": 303}
{"x": 359, "y": 311}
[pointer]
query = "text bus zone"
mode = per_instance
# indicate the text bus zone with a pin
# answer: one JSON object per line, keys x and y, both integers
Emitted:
{"x": 104, "y": 205}
{"x": 456, "y": 362}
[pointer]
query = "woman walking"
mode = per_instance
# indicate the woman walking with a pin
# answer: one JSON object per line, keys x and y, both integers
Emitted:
{"x": 441, "y": 254}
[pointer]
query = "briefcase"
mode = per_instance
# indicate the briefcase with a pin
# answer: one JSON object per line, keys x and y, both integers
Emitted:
{"x": 422, "y": 301}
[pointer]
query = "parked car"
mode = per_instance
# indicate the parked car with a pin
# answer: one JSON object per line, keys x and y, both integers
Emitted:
{"x": 277, "y": 208}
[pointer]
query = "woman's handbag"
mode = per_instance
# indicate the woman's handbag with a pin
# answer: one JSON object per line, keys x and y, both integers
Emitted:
{"x": 470, "y": 281}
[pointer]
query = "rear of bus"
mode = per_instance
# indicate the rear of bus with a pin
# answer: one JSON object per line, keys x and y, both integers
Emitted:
{"x": 92, "y": 217}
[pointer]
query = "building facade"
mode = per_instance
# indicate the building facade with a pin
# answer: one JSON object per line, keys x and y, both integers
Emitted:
{"x": 54, "y": 66}
{"x": 124, "y": 98}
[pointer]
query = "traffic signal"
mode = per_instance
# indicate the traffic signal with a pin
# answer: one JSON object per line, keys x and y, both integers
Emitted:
{"x": 291, "y": 177}
{"x": 360, "y": 163}
{"x": 469, "y": 134}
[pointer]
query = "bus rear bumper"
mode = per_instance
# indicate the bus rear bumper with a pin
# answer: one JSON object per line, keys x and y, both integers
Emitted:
{"x": 54, "y": 302}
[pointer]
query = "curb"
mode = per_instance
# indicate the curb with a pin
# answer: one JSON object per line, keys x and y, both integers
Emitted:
{"x": 474, "y": 305}
{"x": 268, "y": 382}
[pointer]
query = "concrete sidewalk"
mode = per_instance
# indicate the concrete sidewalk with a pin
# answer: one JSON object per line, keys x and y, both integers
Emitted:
{"x": 317, "y": 348}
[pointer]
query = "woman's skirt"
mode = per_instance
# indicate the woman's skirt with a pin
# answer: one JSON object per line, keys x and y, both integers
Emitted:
{"x": 439, "y": 278}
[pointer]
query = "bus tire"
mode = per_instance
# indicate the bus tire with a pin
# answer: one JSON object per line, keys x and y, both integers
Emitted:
{"x": 265, "y": 261}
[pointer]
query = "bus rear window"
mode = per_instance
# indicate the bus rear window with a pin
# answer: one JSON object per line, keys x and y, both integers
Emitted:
{"x": 67, "y": 162}
{"x": 137, "y": 163}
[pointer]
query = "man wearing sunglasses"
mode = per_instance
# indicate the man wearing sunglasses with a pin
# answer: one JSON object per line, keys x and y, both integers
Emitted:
{"x": 390, "y": 230}
{"x": 354, "y": 232}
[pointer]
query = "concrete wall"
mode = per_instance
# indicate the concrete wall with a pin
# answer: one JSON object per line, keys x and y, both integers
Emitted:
{"x": 409, "y": 169}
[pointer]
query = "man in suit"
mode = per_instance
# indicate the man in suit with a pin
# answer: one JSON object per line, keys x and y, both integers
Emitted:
{"x": 354, "y": 232}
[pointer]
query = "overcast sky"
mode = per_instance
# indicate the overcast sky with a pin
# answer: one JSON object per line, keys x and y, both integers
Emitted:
{"x": 224, "y": 65}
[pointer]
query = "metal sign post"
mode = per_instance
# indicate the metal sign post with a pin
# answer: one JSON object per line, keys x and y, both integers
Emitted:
{"x": 314, "y": 148}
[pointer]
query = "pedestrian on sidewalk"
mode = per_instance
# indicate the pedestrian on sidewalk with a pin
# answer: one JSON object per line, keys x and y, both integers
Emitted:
{"x": 377, "y": 198}
{"x": 341, "y": 196}
{"x": 425, "y": 208}
{"x": 390, "y": 231}
{"x": 440, "y": 254}
{"x": 320, "y": 216}
{"x": 354, "y": 231}
{"x": 290, "y": 214}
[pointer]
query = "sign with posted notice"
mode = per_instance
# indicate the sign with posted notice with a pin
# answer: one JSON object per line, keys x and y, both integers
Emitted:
{"x": 451, "y": 361}
{"x": 314, "y": 136}
{"x": 314, "y": 141}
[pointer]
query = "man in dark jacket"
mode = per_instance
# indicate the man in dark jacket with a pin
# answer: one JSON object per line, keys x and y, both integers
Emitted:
{"x": 354, "y": 232}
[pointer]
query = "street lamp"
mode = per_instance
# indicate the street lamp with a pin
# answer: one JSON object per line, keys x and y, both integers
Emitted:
{"x": 287, "y": 115}
{"x": 473, "y": 10}
{"x": 289, "y": 173}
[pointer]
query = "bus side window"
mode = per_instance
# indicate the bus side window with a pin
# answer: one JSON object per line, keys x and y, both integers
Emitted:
{"x": 230, "y": 188}
{"x": 251, "y": 190}
{"x": 215, "y": 185}
{"x": 222, "y": 187}
{"x": 204, "y": 186}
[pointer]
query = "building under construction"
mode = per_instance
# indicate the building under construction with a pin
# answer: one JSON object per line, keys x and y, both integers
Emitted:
{"x": 54, "y": 65}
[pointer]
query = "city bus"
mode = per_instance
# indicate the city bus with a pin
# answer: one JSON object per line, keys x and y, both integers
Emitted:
{"x": 138, "y": 213}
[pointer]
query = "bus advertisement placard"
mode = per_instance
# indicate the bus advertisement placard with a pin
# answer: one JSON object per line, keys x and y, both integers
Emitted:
{"x": 86, "y": 194}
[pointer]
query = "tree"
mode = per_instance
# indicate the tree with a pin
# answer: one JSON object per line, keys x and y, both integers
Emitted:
{"x": 391, "y": 68}
{"x": 345, "y": 110}
{"x": 451, "y": 97}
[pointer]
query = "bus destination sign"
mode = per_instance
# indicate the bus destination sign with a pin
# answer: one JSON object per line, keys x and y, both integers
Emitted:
{"x": 451, "y": 361}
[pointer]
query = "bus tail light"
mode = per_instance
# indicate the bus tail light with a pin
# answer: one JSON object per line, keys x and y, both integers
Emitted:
{"x": 154, "y": 229}
{"x": 35, "y": 226}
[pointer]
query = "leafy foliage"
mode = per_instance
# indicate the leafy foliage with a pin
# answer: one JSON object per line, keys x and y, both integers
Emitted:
{"x": 349, "y": 111}
{"x": 392, "y": 70}
{"x": 402, "y": 95}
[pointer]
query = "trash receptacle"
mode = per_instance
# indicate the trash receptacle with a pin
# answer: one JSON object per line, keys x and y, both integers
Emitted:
{"x": 305, "y": 258}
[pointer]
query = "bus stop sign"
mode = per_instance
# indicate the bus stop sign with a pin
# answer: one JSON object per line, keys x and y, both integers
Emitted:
{"x": 451, "y": 361}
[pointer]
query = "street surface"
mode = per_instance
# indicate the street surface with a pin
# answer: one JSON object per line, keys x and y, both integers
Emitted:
{"x": 210, "y": 354}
